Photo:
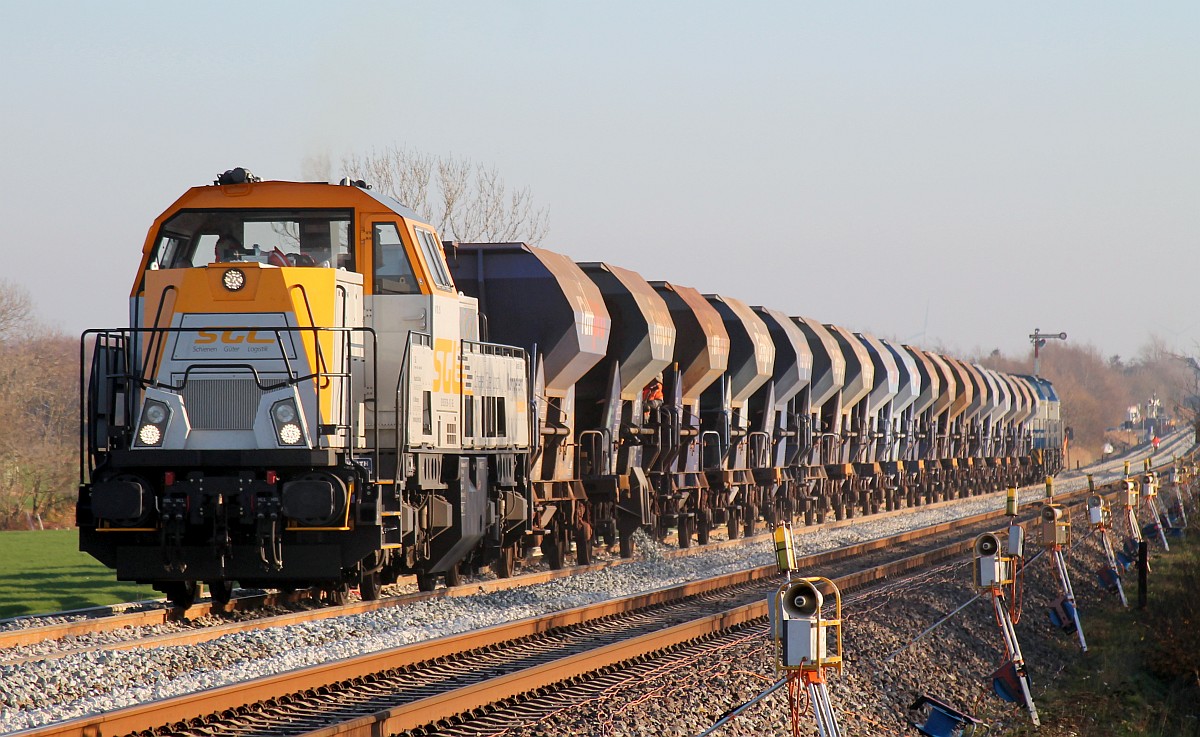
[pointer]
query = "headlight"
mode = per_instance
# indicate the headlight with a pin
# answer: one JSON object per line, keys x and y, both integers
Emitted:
{"x": 285, "y": 412}
{"x": 155, "y": 414}
{"x": 234, "y": 279}
{"x": 290, "y": 434}
{"x": 150, "y": 435}
{"x": 155, "y": 418}
{"x": 288, "y": 429}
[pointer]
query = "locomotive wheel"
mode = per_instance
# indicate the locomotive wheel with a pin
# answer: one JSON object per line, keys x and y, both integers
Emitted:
{"x": 684, "y": 527}
{"x": 221, "y": 591}
{"x": 426, "y": 582}
{"x": 506, "y": 563}
{"x": 369, "y": 587}
{"x": 454, "y": 575}
{"x": 181, "y": 594}
{"x": 703, "y": 526}
{"x": 732, "y": 523}
{"x": 751, "y": 519}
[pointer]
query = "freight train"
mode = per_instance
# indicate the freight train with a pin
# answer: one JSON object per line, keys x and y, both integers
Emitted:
{"x": 316, "y": 391}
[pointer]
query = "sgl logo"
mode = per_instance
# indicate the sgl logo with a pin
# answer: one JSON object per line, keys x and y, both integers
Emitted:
{"x": 220, "y": 343}
{"x": 232, "y": 337}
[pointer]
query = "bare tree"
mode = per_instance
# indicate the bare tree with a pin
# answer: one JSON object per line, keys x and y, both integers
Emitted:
{"x": 38, "y": 415}
{"x": 465, "y": 200}
{"x": 15, "y": 307}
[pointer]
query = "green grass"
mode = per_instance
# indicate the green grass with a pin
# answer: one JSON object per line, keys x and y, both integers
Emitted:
{"x": 43, "y": 571}
{"x": 1141, "y": 675}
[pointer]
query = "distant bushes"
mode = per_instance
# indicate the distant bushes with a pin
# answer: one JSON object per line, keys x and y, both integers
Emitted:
{"x": 39, "y": 390}
{"x": 1097, "y": 392}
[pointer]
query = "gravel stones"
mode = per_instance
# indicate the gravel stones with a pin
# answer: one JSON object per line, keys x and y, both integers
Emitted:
{"x": 52, "y": 689}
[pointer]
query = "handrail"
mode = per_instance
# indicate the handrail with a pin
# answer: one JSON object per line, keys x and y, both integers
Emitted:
{"x": 704, "y": 446}
{"x": 127, "y": 341}
{"x": 598, "y": 440}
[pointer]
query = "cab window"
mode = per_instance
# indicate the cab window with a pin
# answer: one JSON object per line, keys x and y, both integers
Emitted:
{"x": 196, "y": 238}
{"x": 393, "y": 272}
{"x": 434, "y": 257}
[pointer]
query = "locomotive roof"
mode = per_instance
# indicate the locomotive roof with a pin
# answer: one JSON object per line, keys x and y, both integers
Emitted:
{"x": 285, "y": 194}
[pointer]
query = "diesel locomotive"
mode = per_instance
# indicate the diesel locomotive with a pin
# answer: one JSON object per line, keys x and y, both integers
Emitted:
{"x": 315, "y": 391}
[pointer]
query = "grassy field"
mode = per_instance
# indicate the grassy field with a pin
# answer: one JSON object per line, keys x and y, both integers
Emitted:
{"x": 1141, "y": 675}
{"x": 43, "y": 571}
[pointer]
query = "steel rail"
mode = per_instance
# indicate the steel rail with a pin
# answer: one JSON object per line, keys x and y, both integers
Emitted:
{"x": 467, "y": 699}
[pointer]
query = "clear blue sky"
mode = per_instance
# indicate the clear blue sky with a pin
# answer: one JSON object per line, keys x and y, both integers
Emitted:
{"x": 950, "y": 173}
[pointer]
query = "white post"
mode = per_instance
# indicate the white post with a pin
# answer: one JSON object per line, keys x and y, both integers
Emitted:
{"x": 1010, "y": 640}
{"x": 1064, "y": 577}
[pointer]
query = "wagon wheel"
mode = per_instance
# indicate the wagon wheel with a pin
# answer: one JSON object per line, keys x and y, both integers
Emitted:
{"x": 221, "y": 591}
{"x": 684, "y": 526}
{"x": 583, "y": 544}
{"x": 506, "y": 563}
{"x": 552, "y": 550}
{"x": 732, "y": 523}
{"x": 370, "y": 586}
{"x": 751, "y": 519}
{"x": 703, "y": 526}
{"x": 181, "y": 594}
{"x": 426, "y": 582}
{"x": 336, "y": 594}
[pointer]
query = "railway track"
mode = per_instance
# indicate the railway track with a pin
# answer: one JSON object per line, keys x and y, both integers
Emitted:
{"x": 207, "y": 620}
{"x": 203, "y": 621}
{"x": 738, "y": 598}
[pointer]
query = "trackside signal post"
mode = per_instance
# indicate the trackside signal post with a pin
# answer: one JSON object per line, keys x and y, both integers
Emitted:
{"x": 806, "y": 642}
{"x": 1178, "y": 509}
{"x": 1038, "y": 339}
{"x": 1129, "y": 500}
{"x": 1150, "y": 499}
{"x": 1100, "y": 518}
{"x": 994, "y": 571}
{"x": 1056, "y": 536}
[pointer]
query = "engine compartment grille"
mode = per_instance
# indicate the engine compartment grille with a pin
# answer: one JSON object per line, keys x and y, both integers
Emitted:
{"x": 221, "y": 404}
